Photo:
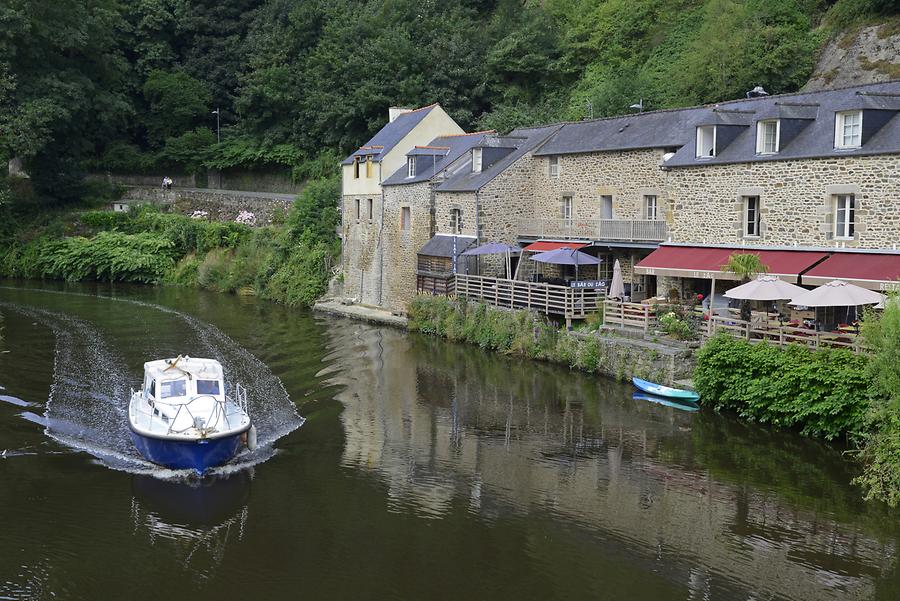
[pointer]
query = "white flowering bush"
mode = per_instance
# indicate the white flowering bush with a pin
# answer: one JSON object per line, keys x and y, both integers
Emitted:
{"x": 246, "y": 218}
{"x": 200, "y": 215}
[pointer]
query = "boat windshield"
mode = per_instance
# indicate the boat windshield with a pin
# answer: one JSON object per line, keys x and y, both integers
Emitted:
{"x": 173, "y": 388}
{"x": 207, "y": 387}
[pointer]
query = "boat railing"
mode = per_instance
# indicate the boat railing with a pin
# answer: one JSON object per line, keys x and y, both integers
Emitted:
{"x": 219, "y": 412}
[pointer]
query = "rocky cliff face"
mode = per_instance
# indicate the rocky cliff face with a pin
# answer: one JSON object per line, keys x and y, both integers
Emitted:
{"x": 865, "y": 55}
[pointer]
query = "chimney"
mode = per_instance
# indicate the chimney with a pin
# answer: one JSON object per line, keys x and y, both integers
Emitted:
{"x": 396, "y": 111}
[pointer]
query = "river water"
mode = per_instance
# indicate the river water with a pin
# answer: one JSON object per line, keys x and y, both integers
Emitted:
{"x": 423, "y": 470}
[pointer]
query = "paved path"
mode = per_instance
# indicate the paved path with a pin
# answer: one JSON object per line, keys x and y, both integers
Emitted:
{"x": 361, "y": 312}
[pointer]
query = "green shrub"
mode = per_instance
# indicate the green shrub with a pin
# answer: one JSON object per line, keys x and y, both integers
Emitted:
{"x": 110, "y": 256}
{"x": 303, "y": 277}
{"x": 822, "y": 393}
{"x": 881, "y": 453}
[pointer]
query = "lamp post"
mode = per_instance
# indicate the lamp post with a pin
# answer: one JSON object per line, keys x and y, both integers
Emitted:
{"x": 218, "y": 135}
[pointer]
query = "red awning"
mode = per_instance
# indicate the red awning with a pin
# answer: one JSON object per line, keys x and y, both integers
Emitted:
{"x": 706, "y": 262}
{"x": 869, "y": 270}
{"x": 543, "y": 245}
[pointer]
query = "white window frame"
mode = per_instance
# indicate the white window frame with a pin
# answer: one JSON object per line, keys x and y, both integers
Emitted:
{"x": 844, "y": 204}
{"x": 455, "y": 221}
{"x": 756, "y": 219}
{"x": 700, "y": 130}
{"x": 568, "y": 207}
{"x": 840, "y": 130}
{"x": 476, "y": 160}
{"x": 554, "y": 165}
{"x": 410, "y": 166}
{"x": 761, "y": 136}
{"x": 651, "y": 201}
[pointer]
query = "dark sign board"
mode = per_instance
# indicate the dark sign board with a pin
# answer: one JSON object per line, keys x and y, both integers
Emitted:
{"x": 587, "y": 284}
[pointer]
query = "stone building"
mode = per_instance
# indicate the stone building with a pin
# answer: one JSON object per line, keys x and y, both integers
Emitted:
{"x": 409, "y": 211}
{"x": 810, "y": 181}
{"x": 362, "y": 208}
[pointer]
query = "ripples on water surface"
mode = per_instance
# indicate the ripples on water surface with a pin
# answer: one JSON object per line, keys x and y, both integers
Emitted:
{"x": 425, "y": 470}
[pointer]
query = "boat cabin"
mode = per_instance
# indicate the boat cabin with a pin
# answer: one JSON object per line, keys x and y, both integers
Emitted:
{"x": 177, "y": 381}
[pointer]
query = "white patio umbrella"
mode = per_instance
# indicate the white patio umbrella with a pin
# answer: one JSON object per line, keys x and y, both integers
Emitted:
{"x": 766, "y": 288}
{"x": 616, "y": 286}
{"x": 838, "y": 293}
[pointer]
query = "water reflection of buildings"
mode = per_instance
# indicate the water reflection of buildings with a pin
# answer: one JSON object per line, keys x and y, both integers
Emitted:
{"x": 442, "y": 425}
{"x": 196, "y": 520}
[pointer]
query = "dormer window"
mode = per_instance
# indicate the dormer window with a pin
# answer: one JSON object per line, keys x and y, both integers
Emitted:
{"x": 411, "y": 167}
{"x": 554, "y": 166}
{"x": 476, "y": 160}
{"x": 356, "y": 168}
{"x": 767, "y": 136}
{"x": 848, "y": 129}
{"x": 369, "y": 164}
{"x": 706, "y": 141}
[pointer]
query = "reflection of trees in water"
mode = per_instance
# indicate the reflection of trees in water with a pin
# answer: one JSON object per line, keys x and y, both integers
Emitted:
{"x": 441, "y": 422}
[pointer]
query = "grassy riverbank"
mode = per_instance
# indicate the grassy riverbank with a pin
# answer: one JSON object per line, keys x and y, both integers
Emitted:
{"x": 533, "y": 336}
{"x": 289, "y": 262}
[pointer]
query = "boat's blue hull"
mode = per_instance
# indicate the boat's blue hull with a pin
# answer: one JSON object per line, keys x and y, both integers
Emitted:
{"x": 199, "y": 455}
{"x": 665, "y": 391}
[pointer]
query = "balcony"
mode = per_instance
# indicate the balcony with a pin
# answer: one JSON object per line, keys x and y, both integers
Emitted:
{"x": 620, "y": 230}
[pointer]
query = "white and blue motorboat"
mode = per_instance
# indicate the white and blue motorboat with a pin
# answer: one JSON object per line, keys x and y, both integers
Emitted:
{"x": 181, "y": 418}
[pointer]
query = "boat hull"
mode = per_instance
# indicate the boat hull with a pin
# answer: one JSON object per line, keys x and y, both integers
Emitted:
{"x": 198, "y": 455}
{"x": 681, "y": 404}
{"x": 665, "y": 391}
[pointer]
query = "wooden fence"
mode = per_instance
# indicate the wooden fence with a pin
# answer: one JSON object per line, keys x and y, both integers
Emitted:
{"x": 628, "y": 315}
{"x": 757, "y": 331}
{"x": 571, "y": 303}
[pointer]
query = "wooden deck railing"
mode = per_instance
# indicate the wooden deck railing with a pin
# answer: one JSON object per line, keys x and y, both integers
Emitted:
{"x": 628, "y": 315}
{"x": 757, "y": 331}
{"x": 571, "y": 303}
{"x": 630, "y": 230}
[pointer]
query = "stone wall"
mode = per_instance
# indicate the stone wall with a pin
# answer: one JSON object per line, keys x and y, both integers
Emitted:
{"x": 445, "y": 202}
{"x": 401, "y": 244}
{"x": 624, "y": 358}
{"x": 362, "y": 257}
{"x": 221, "y": 206}
{"x": 181, "y": 180}
{"x": 625, "y": 175}
{"x": 796, "y": 198}
{"x": 277, "y": 180}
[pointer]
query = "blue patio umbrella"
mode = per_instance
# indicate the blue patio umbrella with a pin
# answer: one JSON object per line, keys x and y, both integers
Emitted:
{"x": 566, "y": 256}
{"x": 494, "y": 248}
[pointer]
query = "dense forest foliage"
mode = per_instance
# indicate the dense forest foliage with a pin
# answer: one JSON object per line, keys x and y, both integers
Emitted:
{"x": 131, "y": 86}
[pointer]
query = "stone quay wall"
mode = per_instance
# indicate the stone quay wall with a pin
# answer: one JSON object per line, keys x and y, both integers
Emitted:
{"x": 797, "y": 199}
{"x": 220, "y": 205}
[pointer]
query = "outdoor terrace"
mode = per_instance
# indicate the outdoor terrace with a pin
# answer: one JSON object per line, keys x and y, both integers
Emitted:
{"x": 619, "y": 230}
{"x": 571, "y": 303}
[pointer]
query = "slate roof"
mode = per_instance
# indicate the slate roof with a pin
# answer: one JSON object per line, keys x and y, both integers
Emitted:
{"x": 522, "y": 140}
{"x": 441, "y": 245}
{"x": 390, "y": 135}
{"x": 676, "y": 128}
{"x": 444, "y": 150}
